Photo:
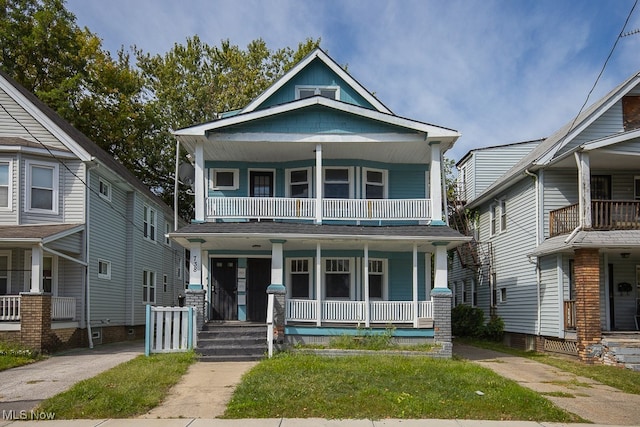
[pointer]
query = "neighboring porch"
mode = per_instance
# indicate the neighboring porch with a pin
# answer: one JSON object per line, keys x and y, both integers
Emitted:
{"x": 62, "y": 308}
{"x": 605, "y": 215}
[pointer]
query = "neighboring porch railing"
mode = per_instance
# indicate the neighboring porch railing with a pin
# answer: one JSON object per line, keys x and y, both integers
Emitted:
{"x": 332, "y": 209}
{"x": 62, "y": 308}
{"x": 605, "y": 215}
{"x": 570, "y": 315}
{"x": 298, "y": 310}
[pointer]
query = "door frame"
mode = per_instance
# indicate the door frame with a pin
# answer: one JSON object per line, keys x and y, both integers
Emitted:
{"x": 210, "y": 283}
{"x": 261, "y": 170}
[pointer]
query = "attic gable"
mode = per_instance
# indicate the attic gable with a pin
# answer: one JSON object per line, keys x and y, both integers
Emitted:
{"x": 317, "y": 74}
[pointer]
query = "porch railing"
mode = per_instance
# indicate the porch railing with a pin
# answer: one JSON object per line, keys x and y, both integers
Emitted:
{"x": 298, "y": 310}
{"x": 605, "y": 215}
{"x": 570, "y": 315}
{"x": 62, "y": 308}
{"x": 305, "y": 209}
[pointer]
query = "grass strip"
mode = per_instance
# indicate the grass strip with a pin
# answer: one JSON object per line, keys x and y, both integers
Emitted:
{"x": 13, "y": 355}
{"x": 622, "y": 379}
{"x": 127, "y": 390}
{"x": 384, "y": 386}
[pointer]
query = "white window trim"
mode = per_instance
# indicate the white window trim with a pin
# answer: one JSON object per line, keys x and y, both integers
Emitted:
{"x": 147, "y": 276}
{"x": 9, "y": 206}
{"x": 385, "y": 182}
{"x": 310, "y": 265}
{"x": 55, "y": 187}
{"x": 497, "y": 211}
{"x": 153, "y": 213}
{"x": 385, "y": 279}
{"x": 54, "y": 272}
{"x": 309, "y": 181}
{"x": 108, "y": 274}
{"x": 212, "y": 179}
{"x": 350, "y": 178}
{"x": 502, "y": 295}
{"x": 8, "y": 255}
{"x": 103, "y": 183}
{"x": 165, "y": 283}
{"x": 317, "y": 88}
{"x": 167, "y": 230}
{"x": 352, "y": 279}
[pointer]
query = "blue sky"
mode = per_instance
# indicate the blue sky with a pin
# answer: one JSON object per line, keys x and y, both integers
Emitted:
{"x": 498, "y": 71}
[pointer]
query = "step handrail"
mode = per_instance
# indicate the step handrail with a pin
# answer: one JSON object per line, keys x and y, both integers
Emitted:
{"x": 270, "y": 304}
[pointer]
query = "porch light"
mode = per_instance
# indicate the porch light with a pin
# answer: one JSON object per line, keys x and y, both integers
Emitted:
{"x": 625, "y": 255}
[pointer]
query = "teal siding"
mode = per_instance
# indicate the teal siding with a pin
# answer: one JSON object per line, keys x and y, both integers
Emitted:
{"x": 315, "y": 74}
{"x": 407, "y": 182}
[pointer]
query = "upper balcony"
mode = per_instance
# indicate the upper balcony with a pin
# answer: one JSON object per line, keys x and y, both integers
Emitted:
{"x": 281, "y": 208}
{"x": 605, "y": 215}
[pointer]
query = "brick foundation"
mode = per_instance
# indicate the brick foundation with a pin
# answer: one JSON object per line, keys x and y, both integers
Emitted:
{"x": 587, "y": 274}
{"x": 442, "y": 319}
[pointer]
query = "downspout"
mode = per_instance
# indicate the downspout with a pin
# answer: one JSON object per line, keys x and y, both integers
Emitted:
{"x": 87, "y": 278}
{"x": 537, "y": 262}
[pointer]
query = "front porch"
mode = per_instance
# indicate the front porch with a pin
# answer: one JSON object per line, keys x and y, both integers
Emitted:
{"x": 62, "y": 308}
{"x": 605, "y": 215}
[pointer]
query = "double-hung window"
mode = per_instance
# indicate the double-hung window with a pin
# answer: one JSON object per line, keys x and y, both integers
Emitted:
{"x": 149, "y": 223}
{"x": 104, "y": 189}
{"x": 148, "y": 286}
{"x": 224, "y": 179}
{"x": 299, "y": 183}
{"x": 338, "y": 278}
{"x": 337, "y": 183}
{"x": 300, "y": 278}
{"x": 498, "y": 217}
{"x": 42, "y": 183}
{"x": 376, "y": 279}
{"x": 104, "y": 269}
{"x": 5, "y": 185}
{"x": 374, "y": 184}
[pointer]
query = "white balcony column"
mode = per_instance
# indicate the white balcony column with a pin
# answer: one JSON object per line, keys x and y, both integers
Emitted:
{"x": 435, "y": 182}
{"x": 36, "y": 270}
{"x": 365, "y": 275}
{"x": 199, "y": 183}
{"x": 584, "y": 188}
{"x": 277, "y": 265}
{"x": 195, "y": 265}
{"x": 415, "y": 285}
{"x": 318, "y": 218}
{"x": 440, "y": 276}
{"x": 318, "y": 284}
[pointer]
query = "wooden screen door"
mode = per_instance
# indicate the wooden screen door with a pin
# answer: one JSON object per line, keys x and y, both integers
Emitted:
{"x": 224, "y": 288}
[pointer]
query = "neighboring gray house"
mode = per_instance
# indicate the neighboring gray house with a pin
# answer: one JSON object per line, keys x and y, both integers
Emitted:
{"x": 557, "y": 237}
{"x": 82, "y": 241}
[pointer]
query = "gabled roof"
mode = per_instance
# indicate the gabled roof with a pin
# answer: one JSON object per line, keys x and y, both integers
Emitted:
{"x": 78, "y": 143}
{"x": 320, "y": 55}
{"x": 544, "y": 154}
{"x": 494, "y": 147}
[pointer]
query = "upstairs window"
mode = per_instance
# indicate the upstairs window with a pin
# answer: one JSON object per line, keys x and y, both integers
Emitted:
{"x": 104, "y": 269}
{"x": 42, "y": 183}
{"x": 375, "y": 184}
{"x": 498, "y": 220}
{"x": 331, "y": 92}
{"x": 337, "y": 183}
{"x": 149, "y": 223}
{"x": 224, "y": 179}
{"x": 5, "y": 185}
{"x": 299, "y": 183}
{"x": 104, "y": 189}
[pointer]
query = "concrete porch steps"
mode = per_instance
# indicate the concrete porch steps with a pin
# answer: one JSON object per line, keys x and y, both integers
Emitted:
{"x": 232, "y": 341}
{"x": 622, "y": 349}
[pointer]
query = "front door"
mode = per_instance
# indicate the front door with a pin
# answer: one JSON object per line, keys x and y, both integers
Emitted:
{"x": 258, "y": 279}
{"x": 224, "y": 288}
{"x": 261, "y": 184}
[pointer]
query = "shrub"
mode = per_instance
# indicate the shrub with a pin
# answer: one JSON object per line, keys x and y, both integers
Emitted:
{"x": 494, "y": 329}
{"x": 467, "y": 321}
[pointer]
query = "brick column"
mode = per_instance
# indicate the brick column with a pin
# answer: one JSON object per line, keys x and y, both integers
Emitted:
{"x": 35, "y": 321}
{"x": 279, "y": 293}
{"x": 195, "y": 298}
{"x": 442, "y": 319}
{"x": 589, "y": 333}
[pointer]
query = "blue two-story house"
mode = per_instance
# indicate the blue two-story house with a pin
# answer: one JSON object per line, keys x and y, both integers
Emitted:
{"x": 318, "y": 189}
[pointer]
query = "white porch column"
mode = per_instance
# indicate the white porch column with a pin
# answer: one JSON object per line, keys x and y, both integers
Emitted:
{"x": 195, "y": 265}
{"x": 318, "y": 285}
{"x": 319, "y": 195}
{"x": 415, "y": 285}
{"x": 427, "y": 276}
{"x": 440, "y": 276}
{"x": 584, "y": 188}
{"x": 36, "y": 270}
{"x": 199, "y": 184}
{"x": 365, "y": 272}
{"x": 435, "y": 184}
{"x": 277, "y": 263}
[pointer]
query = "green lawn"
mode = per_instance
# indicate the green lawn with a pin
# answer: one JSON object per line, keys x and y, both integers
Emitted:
{"x": 13, "y": 355}
{"x": 128, "y": 390}
{"x": 384, "y": 386}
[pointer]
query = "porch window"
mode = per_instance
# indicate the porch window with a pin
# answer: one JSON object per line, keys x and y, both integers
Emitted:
{"x": 376, "y": 279}
{"x": 5, "y": 185}
{"x": 104, "y": 269}
{"x": 42, "y": 184}
{"x": 338, "y": 278}
{"x": 149, "y": 223}
{"x": 636, "y": 186}
{"x": 4, "y": 274}
{"x": 299, "y": 278}
{"x": 331, "y": 92}
{"x": 299, "y": 183}
{"x": 337, "y": 183}
{"x": 148, "y": 287}
{"x": 224, "y": 179}
{"x": 375, "y": 184}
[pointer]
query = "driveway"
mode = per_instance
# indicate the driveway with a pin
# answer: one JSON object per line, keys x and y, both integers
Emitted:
{"x": 23, "y": 388}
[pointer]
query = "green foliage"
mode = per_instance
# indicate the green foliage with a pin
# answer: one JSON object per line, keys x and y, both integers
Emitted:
{"x": 383, "y": 386}
{"x": 13, "y": 355}
{"x": 128, "y": 390}
{"x": 494, "y": 329}
{"x": 467, "y": 321}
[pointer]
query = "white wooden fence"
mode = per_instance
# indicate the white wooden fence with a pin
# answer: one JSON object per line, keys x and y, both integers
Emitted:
{"x": 170, "y": 329}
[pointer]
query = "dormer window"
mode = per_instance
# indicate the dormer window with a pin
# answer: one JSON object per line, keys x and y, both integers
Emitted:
{"x": 331, "y": 92}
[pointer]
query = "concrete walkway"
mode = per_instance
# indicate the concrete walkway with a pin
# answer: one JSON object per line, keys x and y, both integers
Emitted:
{"x": 23, "y": 388}
{"x": 589, "y": 399}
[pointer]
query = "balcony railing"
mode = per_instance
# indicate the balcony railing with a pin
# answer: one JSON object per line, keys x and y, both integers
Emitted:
{"x": 305, "y": 209}
{"x": 382, "y": 312}
{"x": 570, "y": 315}
{"x": 62, "y": 308}
{"x": 605, "y": 215}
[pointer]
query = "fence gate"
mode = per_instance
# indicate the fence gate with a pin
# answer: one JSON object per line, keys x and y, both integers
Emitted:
{"x": 169, "y": 329}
